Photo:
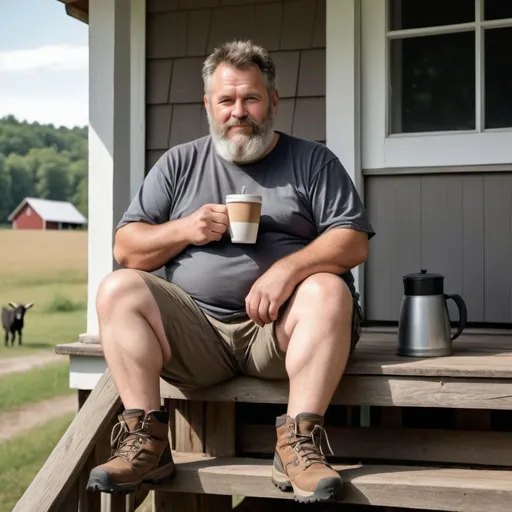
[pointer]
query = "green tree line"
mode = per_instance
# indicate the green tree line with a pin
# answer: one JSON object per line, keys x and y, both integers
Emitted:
{"x": 42, "y": 161}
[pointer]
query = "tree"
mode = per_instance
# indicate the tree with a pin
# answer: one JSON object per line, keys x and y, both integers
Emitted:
{"x": 53, "y": 180}
{"x": 22, "y": 183}
{"x": 80, "y": 199}
{"x": 5, "y": 191}
{"x": 42, "y": 161}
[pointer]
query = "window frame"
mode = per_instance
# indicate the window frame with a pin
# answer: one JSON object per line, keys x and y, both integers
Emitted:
{"x": 383, "y": 149}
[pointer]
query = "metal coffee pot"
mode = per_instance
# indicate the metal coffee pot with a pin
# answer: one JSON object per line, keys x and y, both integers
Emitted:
{"x": 424, "y": 325}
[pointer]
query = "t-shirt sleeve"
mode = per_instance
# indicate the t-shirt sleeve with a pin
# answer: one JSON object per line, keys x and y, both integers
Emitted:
{"x": 335, "y": 202}
{"x": 153, "y": 202}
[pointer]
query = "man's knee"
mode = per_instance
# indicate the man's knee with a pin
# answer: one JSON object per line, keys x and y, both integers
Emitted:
{"x": 326, "y": 292}
{"x": 119, "y": 288}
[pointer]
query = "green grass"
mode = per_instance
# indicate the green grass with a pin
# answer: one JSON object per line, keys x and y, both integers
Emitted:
{"x": 19, "y": 389}
{"x": 22, "y": 457}
{"x": 49, "y": 269}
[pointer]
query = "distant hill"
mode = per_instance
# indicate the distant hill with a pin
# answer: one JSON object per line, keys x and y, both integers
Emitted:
{"x": 41, "y": 161}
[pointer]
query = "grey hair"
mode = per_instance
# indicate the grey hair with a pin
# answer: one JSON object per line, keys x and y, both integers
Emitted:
{"x": 240, "y": 55}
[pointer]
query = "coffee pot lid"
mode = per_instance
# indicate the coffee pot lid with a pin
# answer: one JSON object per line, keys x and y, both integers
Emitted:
{"x": 423, "y": 275}
{"x": 423, "y": 283}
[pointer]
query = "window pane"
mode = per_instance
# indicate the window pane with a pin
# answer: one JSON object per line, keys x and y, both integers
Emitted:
{"x": 497, "y": 9}
{"x": 498, "y": 78}
{"x": 433, "y": 83}
{"x": 431, "y": 13}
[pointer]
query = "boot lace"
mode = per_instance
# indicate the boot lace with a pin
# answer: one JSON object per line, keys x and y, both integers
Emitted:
{"x": 309, "y": 446}
{"x": 124, "y": 442}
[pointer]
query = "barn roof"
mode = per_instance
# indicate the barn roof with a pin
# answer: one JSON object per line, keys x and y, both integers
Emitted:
{"x": 51, "y": 211}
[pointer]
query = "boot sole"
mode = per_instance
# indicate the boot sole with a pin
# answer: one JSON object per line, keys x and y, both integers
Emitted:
{"x": 328, "y": 490}
{"x": 101, "y": 481}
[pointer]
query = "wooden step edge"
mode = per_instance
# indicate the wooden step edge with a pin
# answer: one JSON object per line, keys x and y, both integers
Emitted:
{"x": 79, "y": 348}
{"x": 471, "y": 490}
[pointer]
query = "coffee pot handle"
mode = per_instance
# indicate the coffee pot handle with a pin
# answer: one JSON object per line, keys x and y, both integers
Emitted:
{"x": 463, "y": 313}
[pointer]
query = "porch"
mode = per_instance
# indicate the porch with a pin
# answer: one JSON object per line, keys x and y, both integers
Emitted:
{"x": 417, "y": 434}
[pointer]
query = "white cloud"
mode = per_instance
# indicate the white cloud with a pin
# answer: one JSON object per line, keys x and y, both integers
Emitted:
{"x": 57, "y": 58}
{"x": 61, "y": 112}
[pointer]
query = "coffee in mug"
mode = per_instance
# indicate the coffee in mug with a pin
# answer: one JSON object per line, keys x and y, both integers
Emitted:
{"x": 244, "y": 212}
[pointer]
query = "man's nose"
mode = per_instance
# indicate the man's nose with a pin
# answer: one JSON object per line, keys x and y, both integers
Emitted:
{"x": 239, "y": 109}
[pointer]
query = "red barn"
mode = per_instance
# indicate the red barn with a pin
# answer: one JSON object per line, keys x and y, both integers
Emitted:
{"x": 33, "y": 213}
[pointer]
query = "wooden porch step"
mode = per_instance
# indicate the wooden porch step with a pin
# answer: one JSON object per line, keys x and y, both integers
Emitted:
{"x": 471, "y": 490}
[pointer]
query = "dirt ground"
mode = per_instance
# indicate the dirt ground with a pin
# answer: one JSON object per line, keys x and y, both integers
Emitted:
{"x": 18, "y": 421}
{"x": 24, "y": 363}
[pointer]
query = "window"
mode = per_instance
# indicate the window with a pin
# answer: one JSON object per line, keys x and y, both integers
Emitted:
{"x": 29, "y": 211}
{"x": 449, "y": 66}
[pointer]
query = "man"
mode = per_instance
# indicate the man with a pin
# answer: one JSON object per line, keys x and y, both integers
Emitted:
{"x": 284, "y": 307}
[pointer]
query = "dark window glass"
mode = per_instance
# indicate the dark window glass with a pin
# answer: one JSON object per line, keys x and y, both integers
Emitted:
{"x": 497, "y": 9}
{"x": 406, "y": 14}
{"x": 433, "y": 83}
{"x": 498, "y": 78}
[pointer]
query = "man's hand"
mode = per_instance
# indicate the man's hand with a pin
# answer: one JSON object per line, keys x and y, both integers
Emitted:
{"x": 207, "y": 224}
{"x": 269, "y": 293}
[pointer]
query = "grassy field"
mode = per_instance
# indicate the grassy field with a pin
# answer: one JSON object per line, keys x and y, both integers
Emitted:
{"x": 48, "y": 268}
{"x": 22, "y": 457}
{"x": 38, "y": 384}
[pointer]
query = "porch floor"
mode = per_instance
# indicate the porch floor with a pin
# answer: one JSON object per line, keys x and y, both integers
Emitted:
{"x": 475, "y": 355}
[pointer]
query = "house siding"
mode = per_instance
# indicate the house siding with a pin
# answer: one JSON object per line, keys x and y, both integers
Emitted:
{"x": 180, "y": 34}
{"x": 25, "y": 221}
{"x": 458, "y": 225}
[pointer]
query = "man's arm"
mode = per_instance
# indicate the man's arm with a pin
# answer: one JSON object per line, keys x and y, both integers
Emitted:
{"x": 337, "y": 251}
{"x": 343, "y": 229}
{"x": 148, "y": 247}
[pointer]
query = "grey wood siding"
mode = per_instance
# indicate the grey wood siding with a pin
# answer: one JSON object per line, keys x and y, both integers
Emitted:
{"x": 458, "y": 225}
{"x": 181, "y": 33}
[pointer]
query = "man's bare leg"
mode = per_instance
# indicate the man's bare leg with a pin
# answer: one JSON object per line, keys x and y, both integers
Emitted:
{"x": 315, "y": 332}
{"x": 135, "y": 347}
{"x": 133, "y": 338}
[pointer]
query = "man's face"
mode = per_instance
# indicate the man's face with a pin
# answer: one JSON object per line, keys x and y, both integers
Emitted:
{"x": 240, "y": 112}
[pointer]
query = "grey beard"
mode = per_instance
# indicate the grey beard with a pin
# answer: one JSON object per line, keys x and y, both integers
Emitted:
{"x": 253, "y": 145}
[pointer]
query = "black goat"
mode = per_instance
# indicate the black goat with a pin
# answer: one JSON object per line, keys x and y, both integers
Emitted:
{"x": 12, "y": 320}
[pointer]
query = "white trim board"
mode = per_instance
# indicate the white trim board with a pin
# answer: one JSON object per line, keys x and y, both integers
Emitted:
{"x": 85, "y": 372}
{"x": 117, "y": 37}
{"x": 380, "y": 150}
{"x": 343, "y": 101}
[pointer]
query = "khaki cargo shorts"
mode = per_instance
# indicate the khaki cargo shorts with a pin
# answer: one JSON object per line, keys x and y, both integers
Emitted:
{"x": 206, "y": 351}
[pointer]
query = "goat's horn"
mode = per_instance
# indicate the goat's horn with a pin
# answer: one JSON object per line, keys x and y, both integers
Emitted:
{"x": 13, "y": 305}
{"x": 29, "y": 305}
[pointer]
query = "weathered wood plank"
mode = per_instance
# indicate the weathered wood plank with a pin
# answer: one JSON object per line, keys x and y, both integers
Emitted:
{"x": 220, "y": 429}
{"x": 476, "y": 356}
{"x": 189, "y": 426}
{"x": 71, "y": 502}
{"x": 398, "y": 444}
{"x": 383, "y": 391}
{"x": 62, "y": 467}
{"x": 413, "y": 487}
{"x": 88, "y": 501}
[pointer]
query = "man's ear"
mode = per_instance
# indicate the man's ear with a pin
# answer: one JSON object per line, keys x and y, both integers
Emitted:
{"x": 275, "y": 102}
{"x": 205, "y": 101}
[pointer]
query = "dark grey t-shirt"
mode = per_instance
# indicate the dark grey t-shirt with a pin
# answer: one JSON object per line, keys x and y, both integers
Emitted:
{"x": 306, "y": 191}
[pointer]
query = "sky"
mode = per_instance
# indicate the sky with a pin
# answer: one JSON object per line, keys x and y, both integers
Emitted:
{"x": 43, "y": 63}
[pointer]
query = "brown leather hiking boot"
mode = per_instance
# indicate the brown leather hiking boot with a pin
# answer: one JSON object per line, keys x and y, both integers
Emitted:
{"x": 140, "y": 454}
{"x": 299, "y": 461}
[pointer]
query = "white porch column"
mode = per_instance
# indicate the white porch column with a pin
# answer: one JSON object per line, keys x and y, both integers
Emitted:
{"x": 116, "y": 127}
{"x": 343, "y": 101}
